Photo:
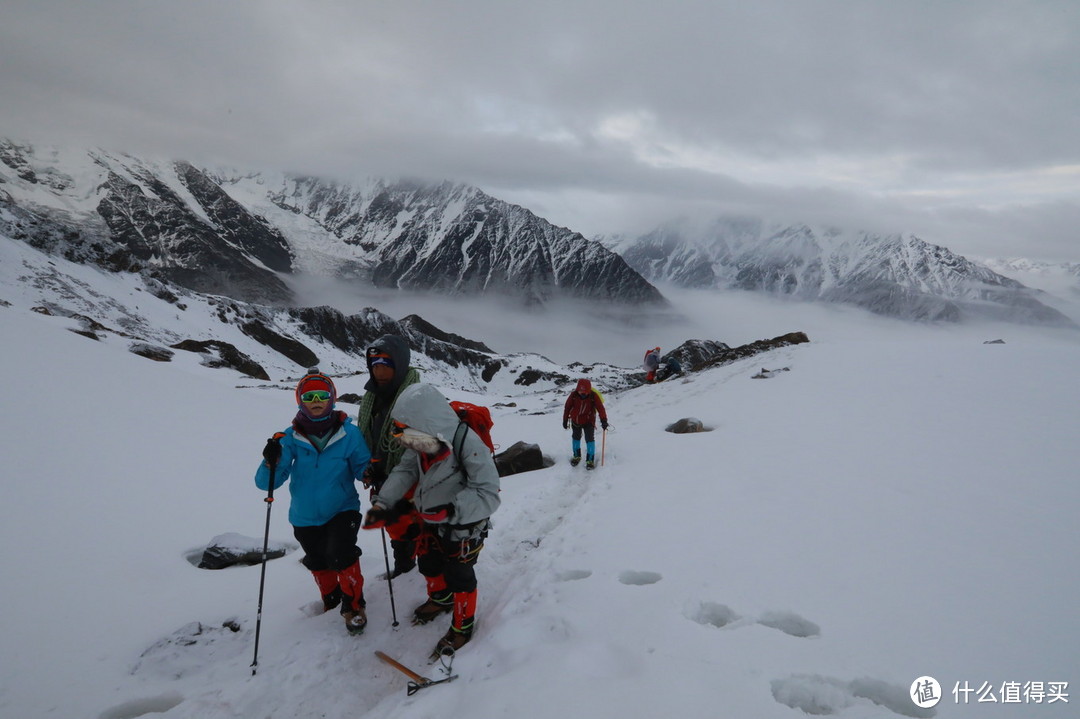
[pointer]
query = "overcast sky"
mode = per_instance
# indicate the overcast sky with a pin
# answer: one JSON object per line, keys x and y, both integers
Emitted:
{"x": 958, "y": 121}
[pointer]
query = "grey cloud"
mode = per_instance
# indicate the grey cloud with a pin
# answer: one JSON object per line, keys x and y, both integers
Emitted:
{"x": 899, "y": 100}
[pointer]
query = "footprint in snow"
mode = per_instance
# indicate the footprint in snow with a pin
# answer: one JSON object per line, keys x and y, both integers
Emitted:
{"x": 571, "y": 575}
{"x": 639, "y": 578}
{"x": 790, "y": 623}
{"x": 818, "y": 695}
{"x": 718, "y": 615}
{"x": 714, "y": 615}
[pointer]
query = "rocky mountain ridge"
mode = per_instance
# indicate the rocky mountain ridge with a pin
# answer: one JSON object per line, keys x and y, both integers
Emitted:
{"x": 894, "y": 275}
{"x": 274, "y": 344}
{"x": 236, "y": 234}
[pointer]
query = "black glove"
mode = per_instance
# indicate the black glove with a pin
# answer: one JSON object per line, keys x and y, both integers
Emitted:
{"x": 374, "y": 477}
{"x": 603, "y": 424}
{"x": 376, "y": 517}
{"x": 565, "y": 425}
{"x": 272, "y": 450}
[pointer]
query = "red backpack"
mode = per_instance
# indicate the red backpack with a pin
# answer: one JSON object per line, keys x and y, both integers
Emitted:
{"x": 478, "y": 419}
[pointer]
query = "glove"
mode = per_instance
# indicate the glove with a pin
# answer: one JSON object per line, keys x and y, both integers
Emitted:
{"x": 437, "y": 515}
{"x": 603, "y": 424}
{"x": 565, "y": 425}
{"x": 373, "y": 477}
{"x": 375, "y": 518}
{"x": 272, "y": 450}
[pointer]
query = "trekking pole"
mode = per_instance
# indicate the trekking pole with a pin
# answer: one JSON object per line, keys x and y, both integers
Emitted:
{"x": 603, "y": 446}
{"x": 389, "y": 578}
{"x": 266, "y": 545}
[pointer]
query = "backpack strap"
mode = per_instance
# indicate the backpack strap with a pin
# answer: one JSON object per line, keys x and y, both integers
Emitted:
{"x": 458, "y": 445}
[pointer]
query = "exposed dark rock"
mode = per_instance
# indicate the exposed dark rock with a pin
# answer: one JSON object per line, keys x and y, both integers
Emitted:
{"x": 491, "y": 369}
{"x": 149, "y": 351}
{"x": 693, "y": 353}
{"x": 227, "y": 550}
{"x": 521, "y": 457}
{"x": 353, "y": 333}
{"x": 223, "y": 354}
{"x": 748, "y": 350}
{"x": 237, "y": 226}
{"x": 293, "y": 349}
{"x": 687, "y": 425}
{"x": 767, "y": 373}
{"x": 185, "y": 250}
{"x": 423, "y": 327}
{"x": 994, "y": 342}
{"x": 530, "y": 376}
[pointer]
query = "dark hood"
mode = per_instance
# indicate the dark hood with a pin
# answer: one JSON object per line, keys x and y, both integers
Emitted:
{"x": 399, "y": 352}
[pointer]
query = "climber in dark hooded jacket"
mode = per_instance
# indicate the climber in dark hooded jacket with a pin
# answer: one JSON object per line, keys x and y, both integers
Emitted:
{"x": 388, "y": 364}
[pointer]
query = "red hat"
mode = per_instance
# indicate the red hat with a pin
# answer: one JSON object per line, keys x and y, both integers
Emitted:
{"x": 315, "y": 380}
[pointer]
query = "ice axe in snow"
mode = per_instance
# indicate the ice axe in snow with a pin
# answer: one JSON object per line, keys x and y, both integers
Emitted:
{"x": 418, "y": 682}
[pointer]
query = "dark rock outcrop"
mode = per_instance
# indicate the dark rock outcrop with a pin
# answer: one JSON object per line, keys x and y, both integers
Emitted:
{"x": 521, "y": 457}
{"x": 223, "y": 354}
{"x": 293, "y": 349}
{"x": 749, "y": 350}
{"x": 149, "y": 351}
{"x": 687, "y": 425}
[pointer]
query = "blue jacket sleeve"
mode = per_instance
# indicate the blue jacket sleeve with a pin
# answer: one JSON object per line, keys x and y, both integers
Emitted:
{"x": 360, "y": 457}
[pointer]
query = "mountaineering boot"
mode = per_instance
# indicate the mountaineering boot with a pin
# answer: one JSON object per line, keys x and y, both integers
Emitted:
{"x": 589, "y": 464}
{"x": 436, "y": 604}
{"x": 461, "y": 629}
{"x": 453, "y": 640}
{"x": 355, "y": 620}
{"x": 327, "y": 582}
{"x": 575, "y": 460}
{"x": 351, "y": 581}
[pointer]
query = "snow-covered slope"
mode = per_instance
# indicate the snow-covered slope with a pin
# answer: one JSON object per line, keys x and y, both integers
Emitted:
{"x": 899, "y": 503}
{"x": 894, "y": 275}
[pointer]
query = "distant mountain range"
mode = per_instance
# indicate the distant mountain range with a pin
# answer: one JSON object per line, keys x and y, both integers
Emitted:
{"x": 894, "y": 275}
{"x": 242, "y": 234}
{"x": 235, "y": 234}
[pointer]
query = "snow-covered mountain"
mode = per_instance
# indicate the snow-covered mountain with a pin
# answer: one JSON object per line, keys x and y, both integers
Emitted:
{"x": 1059, "y": 278}
{"x": 232, "y": 233}
{"x": 893, "y": 275}
{"x": 161, "y": 320}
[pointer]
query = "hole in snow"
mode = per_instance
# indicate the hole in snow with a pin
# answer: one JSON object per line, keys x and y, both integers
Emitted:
{"x": 790, "y": 623}
{"x": 639, "y": 578}
{"x": 714, "y": 614}
{"x": 571, "y": 575}
{"x": 820, "y": 695}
